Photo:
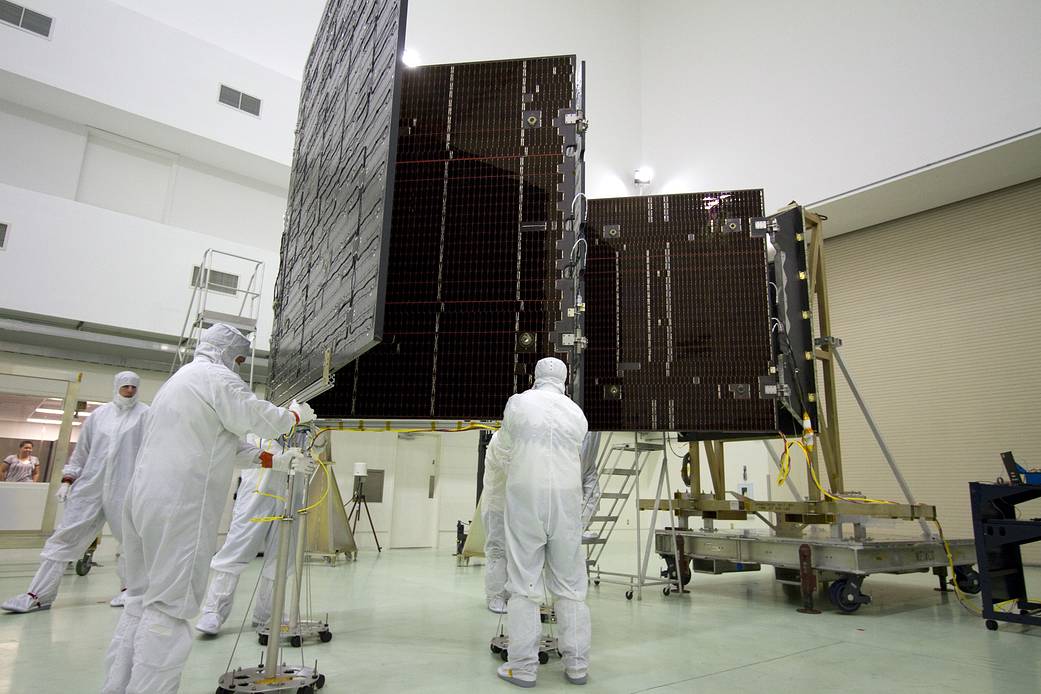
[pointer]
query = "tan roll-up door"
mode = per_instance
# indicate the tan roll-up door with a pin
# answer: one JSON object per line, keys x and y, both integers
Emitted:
{"x": 940, "y": 313}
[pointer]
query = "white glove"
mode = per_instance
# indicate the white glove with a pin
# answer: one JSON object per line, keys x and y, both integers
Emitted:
{"x": 303, "y": 412}
{"x": 63, "y": 492}
{"x": 304, "y": 465}
{"x": 283, "y": 462}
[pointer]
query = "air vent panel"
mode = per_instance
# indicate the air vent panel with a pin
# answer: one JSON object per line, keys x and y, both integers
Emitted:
{"x": 223, "y": 282}
{"x": 36, "y": 23}
{"x": 11, "y": 13}
{"x": 24, "y": 18}
{"x": 239, "y": 100}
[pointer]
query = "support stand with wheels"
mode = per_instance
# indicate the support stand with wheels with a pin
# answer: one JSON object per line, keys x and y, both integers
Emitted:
{"x": 548, "y": 644}
{"x": 297, "y": 629}
{"x": 270, "y": 676}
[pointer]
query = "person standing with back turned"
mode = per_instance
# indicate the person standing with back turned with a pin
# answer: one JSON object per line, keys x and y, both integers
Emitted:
{"x": 192, "y": 443}
{"x": 538, "y": 448}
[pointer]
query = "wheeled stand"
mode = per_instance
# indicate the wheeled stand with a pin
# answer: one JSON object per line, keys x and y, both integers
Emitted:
{"x": 296, "y": 630}
{"x": 270, "y": 676}
{"x": 500, "y": 643}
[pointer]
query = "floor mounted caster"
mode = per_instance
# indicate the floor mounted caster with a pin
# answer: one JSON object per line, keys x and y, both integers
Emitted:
{"x": 628, "y": 595}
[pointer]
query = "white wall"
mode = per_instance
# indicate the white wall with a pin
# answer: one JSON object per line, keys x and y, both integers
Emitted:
{"x": 91, "y": 264}
{"x": 455, "y": 487}
{"x": 601, "y": 32}
{"x": 813, "y": 98}
{"x": 109, "y": 54}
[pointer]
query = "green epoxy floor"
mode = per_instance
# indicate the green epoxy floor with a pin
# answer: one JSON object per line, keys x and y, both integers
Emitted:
{"x": 411, "y": 620}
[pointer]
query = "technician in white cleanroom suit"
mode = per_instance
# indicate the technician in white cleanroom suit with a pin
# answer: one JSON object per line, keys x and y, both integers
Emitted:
{"x": 495, "y": 528}
{"x": 192, "y": 443}
{"x": 93, "y": 485}
{"x": 493, "y": 504}
{"x": 539, "y": 446}
{"x": 256, "y": 498}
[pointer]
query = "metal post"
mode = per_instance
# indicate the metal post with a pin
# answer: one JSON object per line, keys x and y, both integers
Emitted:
{"x": 301, "y": 544}
{"x": 642, "y": 574}
{"x": 672, "y": 511}
{"x": 886, "y": 453}
{"x": 281, "y": 572}
{"x": 636, "y": 452}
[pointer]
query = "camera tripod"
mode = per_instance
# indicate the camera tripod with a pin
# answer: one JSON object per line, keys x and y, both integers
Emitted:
{"x": 357, "y": 503}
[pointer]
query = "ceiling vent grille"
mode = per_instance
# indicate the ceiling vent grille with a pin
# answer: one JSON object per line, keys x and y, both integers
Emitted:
{"x": 237, "y": 99}
{"x": 24, "y": 18}
{"x": 3, "y": 236}
{"x": 223, "y": 282}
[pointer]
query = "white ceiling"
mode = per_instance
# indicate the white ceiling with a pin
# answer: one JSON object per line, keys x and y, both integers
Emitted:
{"x": 274, "y": 33}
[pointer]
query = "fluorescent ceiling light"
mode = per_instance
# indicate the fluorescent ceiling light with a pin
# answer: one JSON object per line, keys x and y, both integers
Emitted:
{"x": 643, "y": 175}
{"x": 55, "y": 422}
{"x": 411, "y": 58}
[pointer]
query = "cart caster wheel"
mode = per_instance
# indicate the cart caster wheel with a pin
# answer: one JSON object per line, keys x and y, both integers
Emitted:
{"x": 325, "y": 636}
{"x": 296, "y": 641}
{"x": 666, "y": 591}
{"x": 543, "y": 657}
{"x": 222, "y": 690}
{"x": 320, "y": 683}
{"x": 596, "y": 581}
{"x": 845, "y": 596}
{"x": 84, "y": 565}
{"x": 559, "y": 654}
{"x": 967, "y": 580}
{"x": 495, "y": 649}
{"x": 305, "y": 690}
{"x": 262, "y": 639}
{"x": 628, "y": 595}
{"x": 504, "y": 655}
{"x": 992, "y": 625}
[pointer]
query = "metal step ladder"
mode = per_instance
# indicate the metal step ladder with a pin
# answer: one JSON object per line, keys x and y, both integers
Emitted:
{"x": 619, "y": 467}
{"x": 219, "y": 295}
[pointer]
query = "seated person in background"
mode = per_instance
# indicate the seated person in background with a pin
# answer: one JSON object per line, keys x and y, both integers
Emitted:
{"x": 21, "y": 467}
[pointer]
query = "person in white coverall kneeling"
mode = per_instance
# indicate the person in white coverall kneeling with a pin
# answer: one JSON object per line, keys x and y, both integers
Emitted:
{"x": 192, "y": 443}
{"x": 538, "y": 452}
{"x": 93, "y": 486}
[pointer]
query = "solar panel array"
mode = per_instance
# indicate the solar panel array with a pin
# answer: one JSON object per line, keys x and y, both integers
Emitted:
{"x": 329, "y": 292}
{"x": 677, "y": 315}
{"x": 484, "y": 180}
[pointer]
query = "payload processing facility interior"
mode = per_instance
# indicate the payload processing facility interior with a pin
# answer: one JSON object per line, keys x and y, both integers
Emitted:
{"x": 789, "y": 252}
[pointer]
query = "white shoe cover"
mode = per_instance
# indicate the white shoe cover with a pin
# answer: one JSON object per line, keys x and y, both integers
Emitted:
{"x": 120, "y": 600}
{"x": 23, "y": 603}
{"x": 497, "y": 605}
{"x": 507, "y": 673}
{"x": 209, "y": 623}
{"x": 590, "y": 535}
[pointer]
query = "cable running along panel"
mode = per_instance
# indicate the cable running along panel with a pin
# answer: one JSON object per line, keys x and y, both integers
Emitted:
{"x": 329, "y": 296}
{"x": 485, "y": 177}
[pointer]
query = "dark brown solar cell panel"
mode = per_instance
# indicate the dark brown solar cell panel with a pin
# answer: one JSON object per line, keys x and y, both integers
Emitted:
{"x": 329, "y": 293}
{"x": 480, "y": 203}
{"x": 677, "y": 314}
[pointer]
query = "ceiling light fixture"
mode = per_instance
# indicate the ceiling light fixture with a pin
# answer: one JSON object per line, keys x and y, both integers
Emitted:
{"x": 410, "y": 58}
{"x": 55, "y": 422}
